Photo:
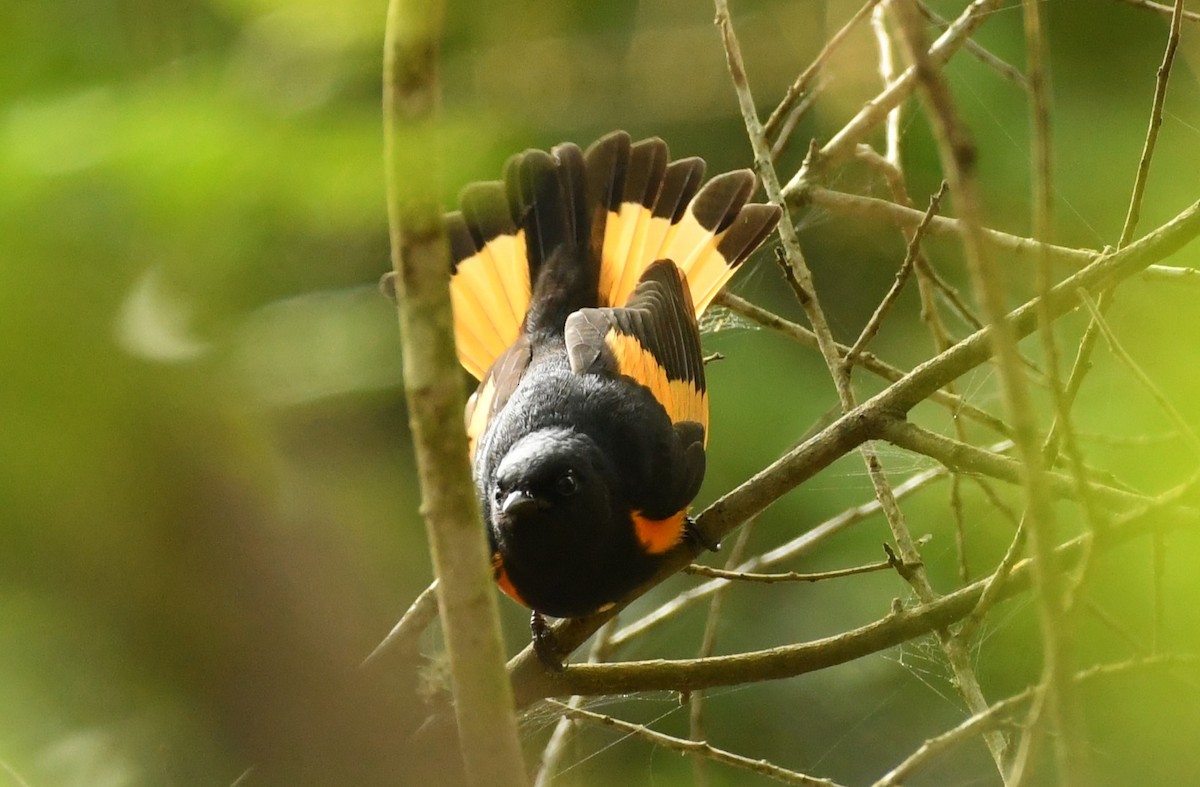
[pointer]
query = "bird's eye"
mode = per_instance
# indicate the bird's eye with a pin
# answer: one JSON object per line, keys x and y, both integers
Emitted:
{"x": 566, "y": 485}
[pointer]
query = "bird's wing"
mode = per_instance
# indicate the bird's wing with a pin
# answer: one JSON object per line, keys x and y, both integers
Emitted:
{"x": 653, "y": 339}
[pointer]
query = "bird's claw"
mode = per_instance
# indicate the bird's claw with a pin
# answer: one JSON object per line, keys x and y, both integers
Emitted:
{"x": 545, "y": 644}
{"x": 693, "y": 534}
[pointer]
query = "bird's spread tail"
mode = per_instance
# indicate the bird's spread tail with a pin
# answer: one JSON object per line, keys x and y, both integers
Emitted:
{"x": 614, "y": 209}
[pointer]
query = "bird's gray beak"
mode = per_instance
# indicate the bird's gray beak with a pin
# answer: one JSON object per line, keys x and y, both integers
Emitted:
{"x": 519, "y": 502}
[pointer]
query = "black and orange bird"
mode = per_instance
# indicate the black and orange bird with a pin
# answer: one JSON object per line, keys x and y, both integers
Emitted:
{"x": 577, "y": 282}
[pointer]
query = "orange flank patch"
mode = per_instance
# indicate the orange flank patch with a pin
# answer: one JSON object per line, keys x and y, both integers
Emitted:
{"x": 659, "y": 535}
{"x": 501, "y": 577}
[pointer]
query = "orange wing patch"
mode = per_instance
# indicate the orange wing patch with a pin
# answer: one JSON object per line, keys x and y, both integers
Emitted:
{"x": 683, "y": 400}
{"x": 653, "y": 340}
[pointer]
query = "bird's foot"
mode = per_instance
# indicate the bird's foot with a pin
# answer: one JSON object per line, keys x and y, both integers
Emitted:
{"x": 545, "y": 645}
{"x": 693, "y": 534}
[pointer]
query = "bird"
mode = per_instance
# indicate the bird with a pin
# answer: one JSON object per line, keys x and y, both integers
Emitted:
{"x": 577, "y": 282}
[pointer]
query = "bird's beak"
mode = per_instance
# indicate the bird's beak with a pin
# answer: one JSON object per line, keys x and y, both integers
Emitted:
{"x": 518, "y": 502}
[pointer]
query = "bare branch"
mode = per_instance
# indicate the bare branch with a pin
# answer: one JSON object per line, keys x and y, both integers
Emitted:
{"x": 906, "y": 267}
{"x": 847, "y": 432}
{"x": 761, "y": 767}
{"x": 403, "y": 636}
{"x": 434, "y": 390}
{"x": 1140, "y": 375}
{"x": 997, "y": 714}
{"x": 1160, "y": 97}
{"x": 977, "y": 50}
{"x": 868, "y": 361}
{"x": 899, "y": 625}
{"x": 1165, "y": 10}
{"x": 794, "y": 548}
{"x": 877, "y": 109}
{"x": 789, "y": 576}
{"x": 799, "y": 88}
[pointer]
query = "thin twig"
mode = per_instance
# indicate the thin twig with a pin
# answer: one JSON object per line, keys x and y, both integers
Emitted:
{"x": 927, "y": 279}
{"x": 902, "y": 275}
{"x": 800, "y": 87}
{"x": 1165, "y": 10}
{"x": 403, "y": 636}
{"x": 760, "y": 767}
{"x": 1114, "y": 345}
{"x": 784, "y": 140}
{"x": 957, "y": 405}
{"x": 788, "y": 576}
{"x": 1166, "y": 273}
{"x": 887, "y": 74}
{"x": 872, "y": 207}
{"x": 1156, "y": 109}
{"x": 977, "y": 50}
{"x": 876, "y": 110}
{"x": 997, "y": 714}
{"x": 796, "y": 547}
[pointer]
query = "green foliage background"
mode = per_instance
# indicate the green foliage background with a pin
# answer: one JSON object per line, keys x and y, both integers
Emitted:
{"x": 208, "y": 511}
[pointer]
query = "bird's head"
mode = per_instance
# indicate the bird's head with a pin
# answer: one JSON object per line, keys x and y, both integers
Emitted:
{"x": 550, "y": 484}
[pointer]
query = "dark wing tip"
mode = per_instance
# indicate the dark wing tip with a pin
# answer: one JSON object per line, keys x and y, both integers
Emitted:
{"x": 718, "y": 203}
{"x": 462, "y": 243}
{"x": 647, "y": 166}
{"x": 680, "y": 184}
{"x": 750, "y": 228}
{"x": 485, "y": 212}
{"x": 607, "y": 160}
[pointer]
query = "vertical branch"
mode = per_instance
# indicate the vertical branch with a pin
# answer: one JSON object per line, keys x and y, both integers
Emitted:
{"x": 433, "y": 387}
{"x": 1160, "y": 96}
{"x": 1043, "y": 190}
{"x": 887, "y": 73}
{"x": 958, "y": 159}
{"x": 927, "y": 288}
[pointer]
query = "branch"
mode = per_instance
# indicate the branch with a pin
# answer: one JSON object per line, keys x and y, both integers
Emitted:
{"x": 877, "y": 109}
{"x": 402, "y": 639}
{"x": 869, "y": 361}
{"x": 761, "y": 767}
{"x": 433, "y": 387}
{"x": 797, "y": 546}
{"x": 788, "y": 576}
{"x": 800, "y": 86}
{"x": 850, "y": 430}
{"x": 880, "y": 209}
{"x": 906, "y": 267}
{"x": 996, "y": 715}
{"x": 900, "y": 625}
{"x": 1160, "y": 96}
{"x": 1165, "y": 10}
